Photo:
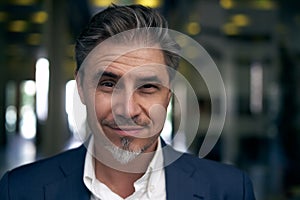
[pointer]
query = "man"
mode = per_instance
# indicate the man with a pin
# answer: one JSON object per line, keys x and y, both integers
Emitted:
{"x": 126, "y": 61}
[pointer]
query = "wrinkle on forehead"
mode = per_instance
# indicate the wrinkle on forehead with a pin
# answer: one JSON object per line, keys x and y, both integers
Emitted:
{"x": 107, "y": 52}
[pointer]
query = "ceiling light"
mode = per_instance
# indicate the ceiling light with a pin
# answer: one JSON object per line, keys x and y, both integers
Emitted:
{"x": 240, "y": 20}
{"x": 264, "y": 4}
{"x": 226, "y": 4}
{"x": 193, "y": 28}
{"x": 230, "y": 29}
{"x": 39, "y": 17}
{"x": 17, "y": 26}
{"x": 23, "y": 2}
{"x": 150, "y": 3}
{"x": 103, "y": 3}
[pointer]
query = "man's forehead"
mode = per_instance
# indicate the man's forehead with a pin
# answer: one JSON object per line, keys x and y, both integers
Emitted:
{"x": 109, "y": 52}
{"x": 140, "y": 71}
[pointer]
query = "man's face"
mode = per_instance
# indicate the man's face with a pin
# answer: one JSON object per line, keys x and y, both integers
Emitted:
{"x": 128, "y": 94}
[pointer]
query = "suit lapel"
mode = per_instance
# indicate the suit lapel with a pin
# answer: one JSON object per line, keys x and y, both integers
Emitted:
{"x": 70, "y": 184}
{"x": 69, "y": 188}
{"x": 180, "y": 182}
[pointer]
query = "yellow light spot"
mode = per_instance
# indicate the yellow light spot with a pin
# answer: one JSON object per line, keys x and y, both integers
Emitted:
{"x": 150, "y": 3}
{"x": 264, "y": 4}
{"x": 34, "y": 39}
{"x": 39, "y": 17}
{"x": 102, "y": 3}
{"x": 240, "y": 20}
{"x": 23, "y": 2}
{"x": 193, "y": 28}
{"x": 230, "y": 29}
{"x": 227, "y": 4}
{"x": 17, "y": 26}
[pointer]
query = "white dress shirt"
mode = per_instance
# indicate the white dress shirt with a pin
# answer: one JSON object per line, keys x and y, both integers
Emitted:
{"x": 150, "y": 186}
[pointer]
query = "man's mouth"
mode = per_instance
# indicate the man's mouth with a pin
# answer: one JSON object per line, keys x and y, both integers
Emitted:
{"x": 128, "y": 130}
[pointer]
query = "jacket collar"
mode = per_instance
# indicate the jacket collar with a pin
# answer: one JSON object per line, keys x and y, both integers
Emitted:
{"x": 180, "y": 180}
{"x": 70, "y": 185}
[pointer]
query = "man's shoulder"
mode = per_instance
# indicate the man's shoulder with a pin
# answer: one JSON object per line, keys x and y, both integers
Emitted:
{"x": 213, "y": 170}
{"x": 207, "y": 163}
{"x": 49, "y": 168}
{"x": 31, "y": 181}
{"x": 207, "y": 178}
{"x": 199, "y": 166}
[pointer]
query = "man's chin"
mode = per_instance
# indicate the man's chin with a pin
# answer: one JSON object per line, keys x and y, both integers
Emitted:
{"x": 121, "y": 155}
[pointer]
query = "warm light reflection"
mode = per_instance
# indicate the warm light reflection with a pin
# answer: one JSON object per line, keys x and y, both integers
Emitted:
{"x": 103, "y": 3}
{"x": 23, "y": 2}
{"x": 264, "y": 4}
{"x": 150, "y": 3}
{"x": 42, "y": 88}
{"x": 240, "y": 20}
{"x": 227, "y": 4}
{"x": 193, "y": 28}
{"x": 17, "y": 26}
{"x": 39, "y": 17}
{"x": 230, "y": 29}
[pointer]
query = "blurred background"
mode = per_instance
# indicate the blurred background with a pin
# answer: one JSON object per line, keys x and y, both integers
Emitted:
{"x": 254, "y": 43}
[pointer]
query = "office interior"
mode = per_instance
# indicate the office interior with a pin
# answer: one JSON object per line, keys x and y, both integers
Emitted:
{"x": 255, "y": 45}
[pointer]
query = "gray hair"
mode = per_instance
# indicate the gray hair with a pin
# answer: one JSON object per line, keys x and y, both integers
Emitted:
{"x": 117, "y": 19}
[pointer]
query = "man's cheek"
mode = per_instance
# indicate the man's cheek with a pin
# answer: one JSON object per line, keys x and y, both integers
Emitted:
{"x": 157, "y": 113}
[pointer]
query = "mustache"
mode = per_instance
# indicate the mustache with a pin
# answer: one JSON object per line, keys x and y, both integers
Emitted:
{"x": 119, "y": 122}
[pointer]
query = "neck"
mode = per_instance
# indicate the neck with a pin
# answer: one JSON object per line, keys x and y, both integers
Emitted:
{"x": 118, "y": 177}
{"x": 120, "y": 182}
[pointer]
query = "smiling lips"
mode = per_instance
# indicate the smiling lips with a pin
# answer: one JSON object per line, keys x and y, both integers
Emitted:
{"x": 128, "y": 130}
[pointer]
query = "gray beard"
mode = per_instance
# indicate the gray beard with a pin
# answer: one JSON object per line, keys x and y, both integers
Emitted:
{"x": 123, "y": 155}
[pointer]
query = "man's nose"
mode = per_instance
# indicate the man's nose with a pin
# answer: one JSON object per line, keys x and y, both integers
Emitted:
{"x": 126, "y": 104}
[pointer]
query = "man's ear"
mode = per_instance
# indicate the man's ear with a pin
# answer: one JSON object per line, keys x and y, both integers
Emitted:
{"x": 78, "y": 78}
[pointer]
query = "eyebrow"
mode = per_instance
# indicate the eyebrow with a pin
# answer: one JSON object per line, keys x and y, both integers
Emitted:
{"x": 149, "y": 79}
{"x": 101, "y": 74}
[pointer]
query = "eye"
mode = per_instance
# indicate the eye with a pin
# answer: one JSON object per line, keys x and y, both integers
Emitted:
{"x": 106, "y": 86}
{"x": 149, "y": 88}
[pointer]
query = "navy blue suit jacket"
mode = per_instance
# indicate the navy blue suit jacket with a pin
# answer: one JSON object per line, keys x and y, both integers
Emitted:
{"x": 61, "y": 178}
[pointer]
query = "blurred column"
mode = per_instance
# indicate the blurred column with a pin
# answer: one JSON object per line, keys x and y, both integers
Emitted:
{"x": 2, "y": 109}
{"x": 55, "y": 132}
{"x": 230, "y": 137}
{"x": 2, "y": 93}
